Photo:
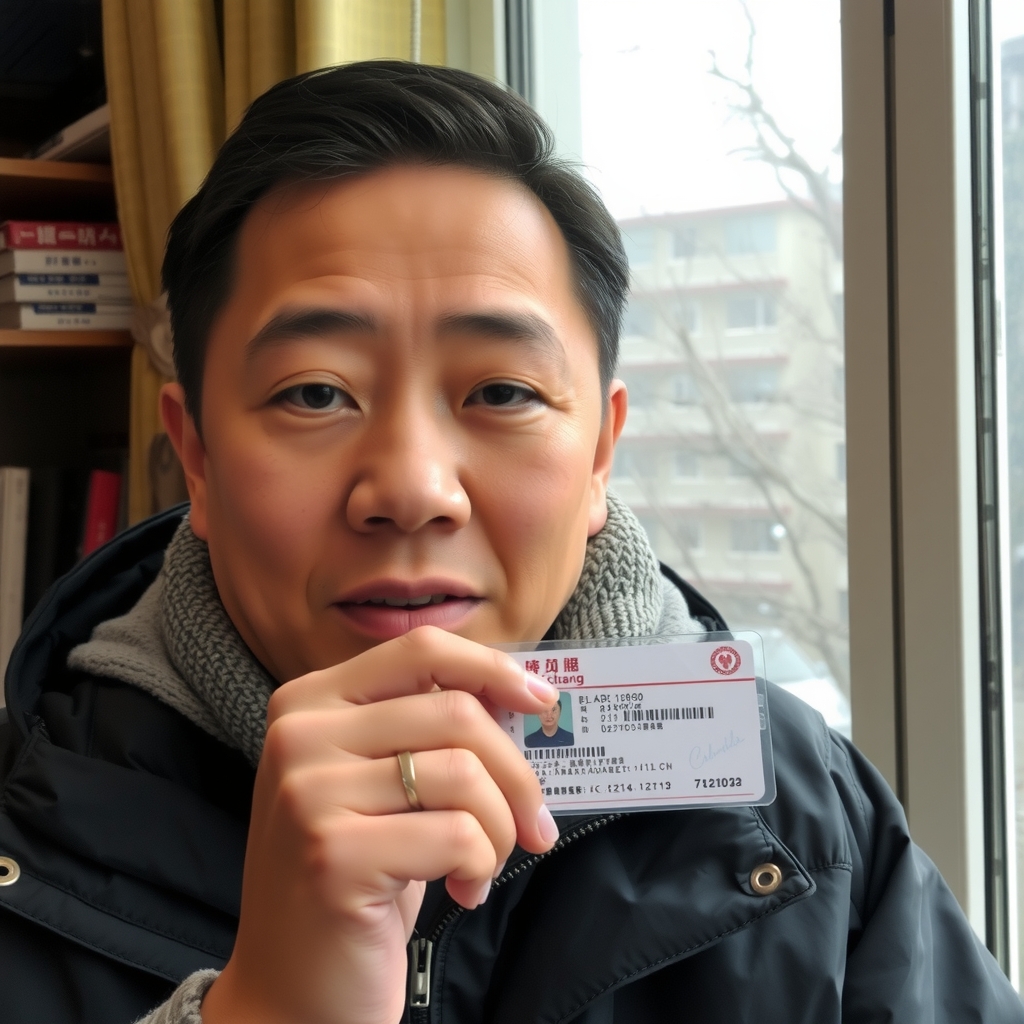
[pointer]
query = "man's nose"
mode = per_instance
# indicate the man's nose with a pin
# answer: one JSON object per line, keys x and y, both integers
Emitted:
{"x": 409, "y": 477}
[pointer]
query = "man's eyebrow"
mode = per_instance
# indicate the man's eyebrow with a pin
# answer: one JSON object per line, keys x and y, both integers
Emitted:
{"x": 504, "y": 326}
{"x": 307, "y": 323}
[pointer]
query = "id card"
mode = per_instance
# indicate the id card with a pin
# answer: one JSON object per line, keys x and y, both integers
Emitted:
{"x": 647, "y": 725}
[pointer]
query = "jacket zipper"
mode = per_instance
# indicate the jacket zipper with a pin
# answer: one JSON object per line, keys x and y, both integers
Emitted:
{"x": 421, "y": 950}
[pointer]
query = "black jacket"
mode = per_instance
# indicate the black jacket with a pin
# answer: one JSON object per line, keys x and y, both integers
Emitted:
{"x": 128, "y": 825}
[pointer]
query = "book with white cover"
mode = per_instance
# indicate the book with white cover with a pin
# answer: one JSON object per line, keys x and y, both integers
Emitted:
{"x": 62, "y": 261}
{"x": 86, "y": 140}
{"x": 65, "y": 288}
{"x": 66, "y": 316}
{"x": 13, "y": 535}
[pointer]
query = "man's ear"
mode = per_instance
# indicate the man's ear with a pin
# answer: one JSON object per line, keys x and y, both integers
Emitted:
{"x": 611, "y": 427}
{"x": 181, "y": 429}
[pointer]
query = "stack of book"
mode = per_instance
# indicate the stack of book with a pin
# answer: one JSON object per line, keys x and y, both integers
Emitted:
{"x": 63, "y": 276}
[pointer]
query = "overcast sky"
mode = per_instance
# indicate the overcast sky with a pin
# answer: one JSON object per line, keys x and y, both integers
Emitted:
{"x": 656, "y": 126}
{"x": 1007, "y": 19}
{"x": 657, "y": 131}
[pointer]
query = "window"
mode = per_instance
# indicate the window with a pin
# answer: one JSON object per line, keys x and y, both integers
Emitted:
{"x": 687, "y": 534}
{"x": 684, "y": 242}
{"x": 841, "y": 462}
{"x": 671, "y": 147}
{"x": 639, "y": 244}
{"x": 1007, "y": 159}
{"x": 752, "y": 234}
{"x": 757, "y": 382}
{"x": 636, "y": 463}
{"x": 739, "y": 467}
{"x": 750, "y": 312}
{"x": 685, "y": 464}
{"x": 755, "y": 536}
{"x": 638, "y": 319}
{"x": 684, "y": 389}
{"x": 685, "y": 313}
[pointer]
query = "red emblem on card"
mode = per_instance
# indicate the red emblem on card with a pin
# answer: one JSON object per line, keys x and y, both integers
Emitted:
{"x": 725, "y": 660}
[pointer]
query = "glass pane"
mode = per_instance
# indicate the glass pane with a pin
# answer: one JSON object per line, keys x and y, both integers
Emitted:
{"x": 1008, "y": 173}
{"x": 723, "y": 167}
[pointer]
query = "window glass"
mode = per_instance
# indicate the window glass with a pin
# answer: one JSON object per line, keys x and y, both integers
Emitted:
{"x": 756, "y": 535}
{"x": 750, "y": 234}
{"x": 639, "y": 242}
{"x": 1008, "y": 174}
{"x": 685, "y": 390}
{"x": 638, "y": 319}
{"x": 723, "y": 169}
{"x": 750, "y": 312}
{"x": 686, "y": 463}
{"x": 683, "y": 315}
{"x": 753, "y": 382}
{"x": 684, "y": 242}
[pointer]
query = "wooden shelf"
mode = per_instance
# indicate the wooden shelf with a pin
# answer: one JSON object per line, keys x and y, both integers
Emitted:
{"x": 11, "y": 339}
{"x": 35, "y": 189}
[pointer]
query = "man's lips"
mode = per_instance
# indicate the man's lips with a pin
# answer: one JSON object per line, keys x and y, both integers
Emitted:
{"x": 385, "y": 609}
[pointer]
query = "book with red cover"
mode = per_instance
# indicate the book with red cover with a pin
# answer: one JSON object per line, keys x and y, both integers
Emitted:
{"x": 101, "y": 508}
{"x": 60, "y": 234}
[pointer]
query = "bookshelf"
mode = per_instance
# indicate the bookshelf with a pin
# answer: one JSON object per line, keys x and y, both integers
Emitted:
{"x": 64, "y": 395}
{"x": 38, "y": 189}
{"x": 65, "y": 339}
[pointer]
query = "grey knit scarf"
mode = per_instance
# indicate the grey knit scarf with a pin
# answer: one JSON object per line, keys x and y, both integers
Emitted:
{"x": 179, "y": 644}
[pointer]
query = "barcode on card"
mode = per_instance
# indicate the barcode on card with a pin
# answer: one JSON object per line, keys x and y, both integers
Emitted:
{"x": 669, "y": 714}
{"x": 545, "y": 753}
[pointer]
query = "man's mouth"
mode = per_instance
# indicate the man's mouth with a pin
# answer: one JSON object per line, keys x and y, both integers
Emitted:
{"x": 391, "y": 608}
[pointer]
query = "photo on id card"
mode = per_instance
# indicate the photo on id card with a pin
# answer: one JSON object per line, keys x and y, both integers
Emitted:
{"x": 650, "y": 723}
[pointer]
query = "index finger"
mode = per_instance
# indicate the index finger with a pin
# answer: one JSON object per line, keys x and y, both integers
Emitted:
{"x": 422, "y": 660}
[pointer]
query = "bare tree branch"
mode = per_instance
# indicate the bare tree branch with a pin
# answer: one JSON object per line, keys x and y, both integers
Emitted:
{"x": 775, "y": 147}
{"x": 736, "y": 435}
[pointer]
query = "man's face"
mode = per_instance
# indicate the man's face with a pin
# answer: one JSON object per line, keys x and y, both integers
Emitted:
{"x": 549, "y": 718}
{"x": 402, "y": 418}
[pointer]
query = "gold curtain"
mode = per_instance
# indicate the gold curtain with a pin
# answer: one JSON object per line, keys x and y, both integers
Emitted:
{"x": 171, "y": 101}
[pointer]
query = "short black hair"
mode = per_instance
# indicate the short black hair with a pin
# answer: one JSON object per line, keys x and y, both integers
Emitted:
{"x": 360, "y": 117}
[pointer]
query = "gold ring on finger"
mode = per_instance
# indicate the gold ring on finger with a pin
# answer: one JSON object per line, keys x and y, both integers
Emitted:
{"x": 405, "y": 766}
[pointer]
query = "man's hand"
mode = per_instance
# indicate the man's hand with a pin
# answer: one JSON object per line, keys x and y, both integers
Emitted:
{"x": 335, "y": 865}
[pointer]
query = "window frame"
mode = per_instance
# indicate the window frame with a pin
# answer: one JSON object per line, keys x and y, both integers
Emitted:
{"x": 917, "y": 642}
{"x": 913, "y": 494}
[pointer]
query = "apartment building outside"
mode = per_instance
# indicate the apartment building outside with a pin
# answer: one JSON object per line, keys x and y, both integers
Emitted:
{"x": 733, "y": 455}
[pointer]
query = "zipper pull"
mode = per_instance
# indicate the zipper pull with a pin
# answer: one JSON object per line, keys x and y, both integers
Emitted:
{"x": 421, "y": 952}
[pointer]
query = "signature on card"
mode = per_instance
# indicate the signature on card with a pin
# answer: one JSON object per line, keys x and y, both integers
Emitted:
{"x": 700, "y": 756}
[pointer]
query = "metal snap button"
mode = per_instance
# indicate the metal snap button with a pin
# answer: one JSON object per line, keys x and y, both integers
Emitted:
{"x": 9, "y": 871}
{"x": 765, "y": 879}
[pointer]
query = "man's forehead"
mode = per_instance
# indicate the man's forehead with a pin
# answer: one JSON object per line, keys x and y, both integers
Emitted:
{"x": 405, "y": 208}
{"x": 479, "y": 249}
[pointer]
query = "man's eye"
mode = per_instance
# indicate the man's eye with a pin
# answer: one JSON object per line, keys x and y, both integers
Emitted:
{"x": 502, "y": 394}
{"x": 315, "y": 397}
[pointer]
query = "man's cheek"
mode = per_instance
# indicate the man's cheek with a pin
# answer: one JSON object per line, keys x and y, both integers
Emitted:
{"x": 545, "y": 516}
{"x": 275, "y": 505}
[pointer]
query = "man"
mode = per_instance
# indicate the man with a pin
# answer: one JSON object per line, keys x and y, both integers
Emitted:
{"x": 549, "y": 733}
{"x": 251, "y": 773}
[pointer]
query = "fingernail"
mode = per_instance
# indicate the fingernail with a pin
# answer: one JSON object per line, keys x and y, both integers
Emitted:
{"x": 546, "y": 825}
{"x": 541, "y": 688}
{"x": 484, "y": 892}
{"x": 498, "y": 870}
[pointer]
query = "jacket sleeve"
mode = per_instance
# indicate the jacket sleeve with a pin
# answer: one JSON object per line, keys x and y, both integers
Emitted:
{"x": 183, "y": 1006}
{"x": 912, "y": 955}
